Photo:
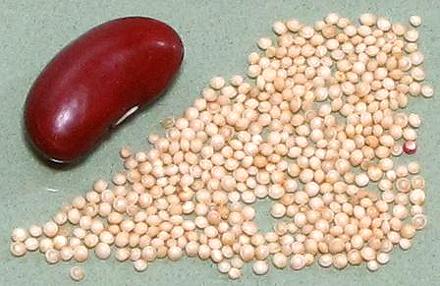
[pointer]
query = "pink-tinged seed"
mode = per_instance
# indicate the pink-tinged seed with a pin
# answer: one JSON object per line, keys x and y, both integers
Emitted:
{"x": 410, "y": 147}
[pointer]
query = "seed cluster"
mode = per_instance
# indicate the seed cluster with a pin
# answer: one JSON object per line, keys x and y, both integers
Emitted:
{"x": 315, "y": 129}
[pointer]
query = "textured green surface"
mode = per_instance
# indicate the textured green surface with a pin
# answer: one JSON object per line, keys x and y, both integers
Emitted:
{"x": 218, "y": 36}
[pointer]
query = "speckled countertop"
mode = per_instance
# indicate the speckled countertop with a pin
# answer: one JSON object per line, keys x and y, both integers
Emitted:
{"x": 218, "y": 35}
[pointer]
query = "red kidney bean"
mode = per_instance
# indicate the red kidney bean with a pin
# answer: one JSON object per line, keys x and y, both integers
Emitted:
{"x": 98, "y": 80}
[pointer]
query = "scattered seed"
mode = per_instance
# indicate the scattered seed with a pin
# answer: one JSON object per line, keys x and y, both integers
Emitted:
{"x": 77, "y": 273}
{"x": 415, "y": 20}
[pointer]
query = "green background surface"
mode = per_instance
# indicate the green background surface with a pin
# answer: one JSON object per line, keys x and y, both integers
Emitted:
{"x": 218, "y": 36}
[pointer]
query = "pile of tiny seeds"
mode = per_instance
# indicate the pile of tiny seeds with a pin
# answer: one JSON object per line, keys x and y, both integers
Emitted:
{"x": 316, "y": 132}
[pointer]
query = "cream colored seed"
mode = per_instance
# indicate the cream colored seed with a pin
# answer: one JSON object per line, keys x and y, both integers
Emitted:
{"x": 18, "y": 249}
{"x": 417, "y": 196}
{"x": 354, "y": 257}
{"x": 398, "y": 29}
{"x": 368, "y": 19}
{"x": 119, "y": 180}
{"x": 91, "y": 240}
{"x": 217, "y": 82}
{"x": 102, "y": 251}
{"x": 224, "y": 267}
{"x": 279, "y": 28}
{"x": 174, "y": 253}
{"x": 77, "y": 273}
{"x": 413, "y": 168}
{"x": 414, "y": 120}
{"x": 45, "y": 244}
{"x": 60, "y": 218}
{"x": 362, "y": 180}
{"x": 417, "y": 58}
{"x": 419, "y": 221}
{"x": 383, "y": 24}
{"x": 418, "y": 74}
{"x": 19, "y": 235}
{"x": 52, "y": 256}
{"x": 59, "y": 241}
{"x": 66, "y": 253}
{"x": 125, "y": 152}
{"x": 340, "y": 261}
{"x": 383, "y": 258}
{"x": 293, "y": 25}
{"x": 415, "y": 21}
{"x": 260, "y": 267}
{"x": 73, "y": 242}
{"x": 280, "y": 260}
{"x": 237, "y": 80}
{"x": 427, "y": 91}
{"x": 122, "y": 254}
{"x": 412, "y": 35}
{"x": 307, "y": 32}
{"x": 332, "y": 18}
{"x": 81, "y": 253}
{"x": 325, "y": 260}
{"x": 35, "y": 231}
{"x": 74, "y": 216}
{"x": 31, "y": 244}
{"x": 79, "y": 232}
{"x": 373, "y": 265}
{"x": 405, "y": 244}
{"x": 297, "y": 262}
{"x": 100, "y": 185}
{"x": 50, "y": 229}
{"x": 264, "y": 43}
{"x": 140, "y": 265}
{"x": 234, "y": 273}
{"x": 368, "y": 253}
